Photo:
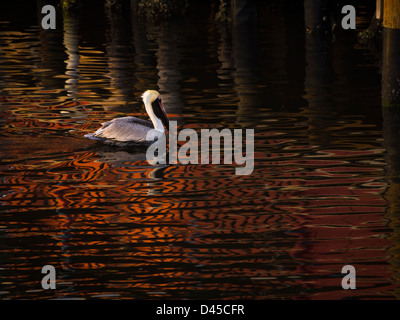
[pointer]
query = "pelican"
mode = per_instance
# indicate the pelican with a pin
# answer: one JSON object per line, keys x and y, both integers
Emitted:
{"x": 128, "y": 131}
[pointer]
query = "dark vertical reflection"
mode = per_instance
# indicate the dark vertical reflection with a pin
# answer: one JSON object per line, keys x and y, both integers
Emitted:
{"x": 170, "y": 37}
{"x": 49, "y": 55}
{"x": 293, "y": 93}
{"x": 144, "y": 59}
{"x": 319, "y": 73}
{"x": 225, "y": 56}
{"x": 159, "y": 43}
{"x": 119, "y": 54}
{"x": 391, "y": 133}
{"x": 391, "y": 67}
{"x": 244, "y": 52}
{"x": 71, "y": 44}
{"x": 391, "y": 130}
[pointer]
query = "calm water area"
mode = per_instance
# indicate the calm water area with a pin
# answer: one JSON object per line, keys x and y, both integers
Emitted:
{"x": 324, "y": 192}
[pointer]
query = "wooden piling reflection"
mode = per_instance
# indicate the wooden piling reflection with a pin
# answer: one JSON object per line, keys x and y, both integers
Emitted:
{"x": 119, "y": 51}
{"x": 391, "y": 133}
{"x": 391, "y": 123}
{"x": 391, "y": 54}
{"x": 244, "y": 44}
{"x": 71, "y": 44}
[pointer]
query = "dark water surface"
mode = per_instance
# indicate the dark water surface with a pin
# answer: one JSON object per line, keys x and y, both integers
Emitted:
{"x": 324, "y": 192}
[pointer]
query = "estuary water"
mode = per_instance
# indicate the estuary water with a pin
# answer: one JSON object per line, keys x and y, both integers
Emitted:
{"x": 324, "y": 192}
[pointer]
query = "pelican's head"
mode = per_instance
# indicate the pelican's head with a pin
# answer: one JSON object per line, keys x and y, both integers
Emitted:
{"x": 154, "y": 107}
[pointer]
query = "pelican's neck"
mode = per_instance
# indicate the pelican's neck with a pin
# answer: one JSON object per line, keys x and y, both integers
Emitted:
{"x": 157, "y": 123}
{"x": 149, "y": 109}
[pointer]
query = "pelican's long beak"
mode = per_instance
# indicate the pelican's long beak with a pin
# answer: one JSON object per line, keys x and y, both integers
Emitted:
{"x": 160, "y": 113}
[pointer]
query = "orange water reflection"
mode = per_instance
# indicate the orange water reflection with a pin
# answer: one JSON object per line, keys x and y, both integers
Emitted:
{"x": 199, "y": 228}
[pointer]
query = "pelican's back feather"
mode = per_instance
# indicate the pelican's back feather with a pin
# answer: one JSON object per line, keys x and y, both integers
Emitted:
{"x": 124, "y": 129}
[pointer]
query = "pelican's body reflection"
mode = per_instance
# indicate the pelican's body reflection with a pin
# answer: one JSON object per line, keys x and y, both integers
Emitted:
{"x": 119, "y": 155}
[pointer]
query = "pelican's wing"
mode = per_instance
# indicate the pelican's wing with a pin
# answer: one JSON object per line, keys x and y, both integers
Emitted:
{"x": 124, "y": 129}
